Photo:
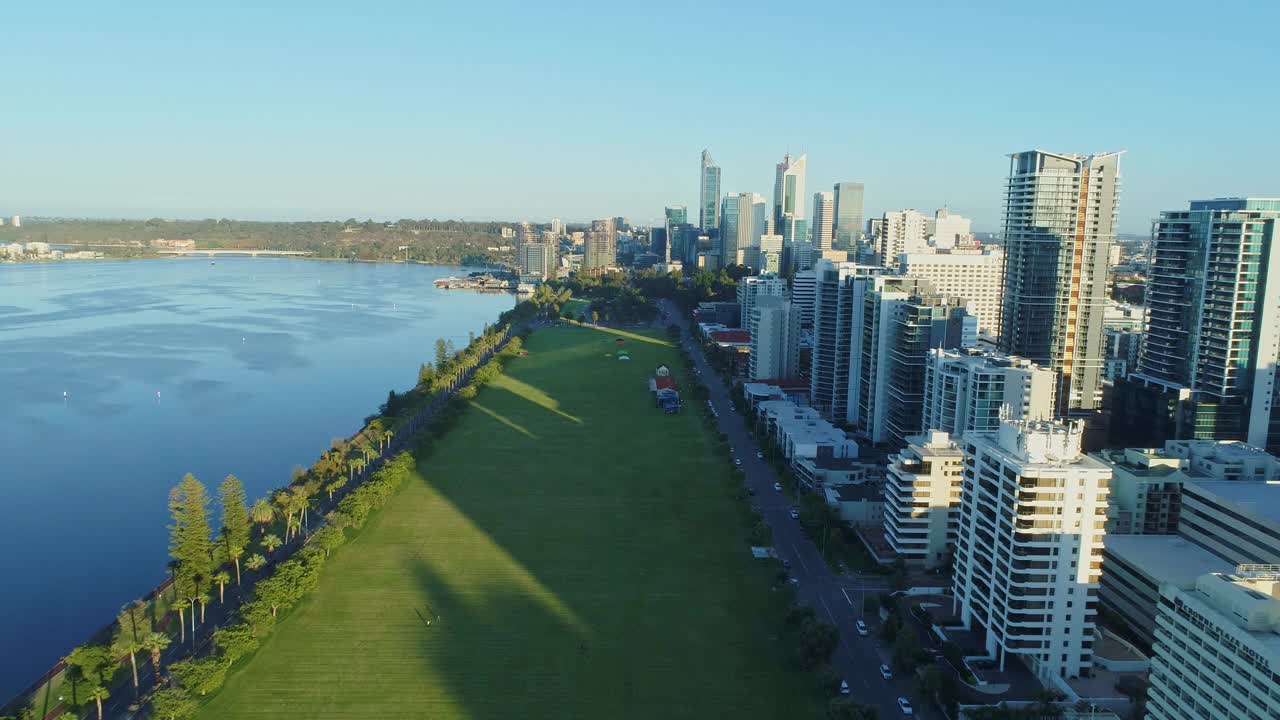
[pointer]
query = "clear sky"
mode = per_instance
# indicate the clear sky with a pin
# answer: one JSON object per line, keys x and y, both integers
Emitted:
{"x": 525, "y": 110}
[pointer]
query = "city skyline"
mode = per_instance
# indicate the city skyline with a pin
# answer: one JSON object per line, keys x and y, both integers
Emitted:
{"x": 283, "y": 128}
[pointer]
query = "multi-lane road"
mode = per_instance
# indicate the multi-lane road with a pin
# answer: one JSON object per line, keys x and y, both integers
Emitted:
{"x": 836, "y": 598}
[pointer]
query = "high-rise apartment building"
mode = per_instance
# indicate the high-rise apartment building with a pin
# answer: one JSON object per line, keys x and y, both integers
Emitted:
{"x": 1217, "y": 647}
{"x": 902, "y": 231}
{"x": 848, "y": 214}
{"x": 922, "y": 499}
{"x": 926, "y": 320}
{"x": 950, "y": 231}
{"x": 1208, "y": 361}
{"x": 601, "y": 248}
{"x": 977, "y": 276}
{"x": 1029, "y": 546}
{"x": 753, "y": 287}
{"x": 1059, "y": 224}
{"x": 970, "y": 390}
{"x": 537, "y": 261}
{"x": 788, "y": 189}
{"x": 709, "y": 193}
{"x": 557, "y": 227}
{"x": 823, "y": 219}
{"x": 838, "y": 291}
{"x": 804, "y": 288}
{"x": 775, "y": 339}
{"x": 738, "y": 232}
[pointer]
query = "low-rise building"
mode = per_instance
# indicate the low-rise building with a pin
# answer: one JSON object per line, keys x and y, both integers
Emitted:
{"x": 823, "y": 470}
{"x": 1237, "y": 521}
{"x": 860, "y": 505}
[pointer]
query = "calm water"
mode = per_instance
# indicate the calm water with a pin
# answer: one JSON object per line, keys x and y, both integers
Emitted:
{"x": 246, "y": 367}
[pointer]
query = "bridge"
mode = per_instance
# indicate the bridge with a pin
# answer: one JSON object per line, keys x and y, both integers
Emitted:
{"x": 215, "y": 252}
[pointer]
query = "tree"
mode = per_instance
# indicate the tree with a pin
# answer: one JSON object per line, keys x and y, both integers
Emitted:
{"x": 271, "y": 542}
{"x": 426, "y": 374}
{"x": 255, "y": 561}
{"x": 98, "y": 693}
{"x": 235, "y": 520}
{"x": 90, "y": 669}
{"x": 262, "y": 514}
{"x": 848, "y": 709}
{"x": 132, "y": 627}
{"x": 199, "y": 676}
{"x": 235, "y": 642}
{"x": 173, "y": 704}
{"x": 816, "y": 641}
{"x": 442, "y": 354}
{"x": 155, "y": 643}
{"x": 189, "y": 542}
{"x": 595, "y": 317}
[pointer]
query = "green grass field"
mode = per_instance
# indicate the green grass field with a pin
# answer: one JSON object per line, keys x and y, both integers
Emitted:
{"x": 577, "y": 553}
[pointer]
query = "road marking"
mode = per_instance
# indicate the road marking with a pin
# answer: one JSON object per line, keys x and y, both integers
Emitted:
{"x": 800, "y": 557}
{"x": 846, "y": 598}
{"x": 826, "y": 607}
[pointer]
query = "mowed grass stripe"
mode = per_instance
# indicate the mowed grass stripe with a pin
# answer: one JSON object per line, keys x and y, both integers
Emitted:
{"x": 582, "y": 554}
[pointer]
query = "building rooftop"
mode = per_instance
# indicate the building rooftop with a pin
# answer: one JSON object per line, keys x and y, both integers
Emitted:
{"x": 1261, "y": 499}
{"x": 856, "y": 492}
{"x": 732, "y": 337}
{"x": 1166, "y": 558}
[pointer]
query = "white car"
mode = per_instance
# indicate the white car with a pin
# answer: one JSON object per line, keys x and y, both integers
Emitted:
{"x": 844, "y": 688}
{"x": 795, "y": 514}
{"x": 759, "y": 456}
{"x": 737, "y": 461}
{"x": 862, "y": 628}
{"x": 777, "y": 487}
{"x": 885, "y": 672}
{"x": 905, "y": 706}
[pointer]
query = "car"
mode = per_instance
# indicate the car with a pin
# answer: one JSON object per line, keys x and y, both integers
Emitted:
{"x": 777, "y": 487}
{"x": 737, "y": 461}
{"x": 885, "y": 672}
{"x": 862, "y": 628}
{"x": 795, "y": 514}
{"x": 794, "y": 581}
{"x": 759, "y": 456}
{"x": 786, "y": 564}
{"x": 905, "y": 706}
{"x": 844, "y": 687}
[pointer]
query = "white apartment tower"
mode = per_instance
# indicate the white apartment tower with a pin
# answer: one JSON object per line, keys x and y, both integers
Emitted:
{"x": 1029, "y": 546}
{"x": 753, "y": 287}
{"x": 902, "y": 231}
{"x": 922, "y": 499}
{"x": 823, "y": 225}
{"x": 775, "y": 339}
{"x": 968, "y": 391}
{"x": 976, "y": 276}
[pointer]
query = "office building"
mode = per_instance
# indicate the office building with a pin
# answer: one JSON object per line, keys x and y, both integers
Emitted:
{"x": 600, "y": 250}
{"x": 901, "y": 231}
{"x": 788, "y": 189}
{"x": 675, "y": 216}
{"x": 1217, "y": 648}
{"x": 709, "y": 193}
{"x": 658, "y": 244}
{"x": 970, "y": 390}
{"x": 737, "y": 228}
{"x": 1059, "y": 225}
{"x": 950, "y": 231}
{"x": 557, "y": 227}
{"x": 823, "y": 219}
{"x": 768, "y": 255}
{"x": 537, "y": 261}
{"x": 922, "y": 499}
{"x": 804, "y": 288}
{"x": 847, "y": 210}
{"x": 1028, "y": 551}
{"x": 753, "y": 287}
{"x": 976, "y": 276}
{"x": 1208, "y": 359}
{"x": 1237, "y": 521}
{"x": 775, "y": 339}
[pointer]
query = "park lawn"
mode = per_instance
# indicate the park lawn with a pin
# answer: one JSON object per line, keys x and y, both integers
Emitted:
{"x": 569, "y": 552}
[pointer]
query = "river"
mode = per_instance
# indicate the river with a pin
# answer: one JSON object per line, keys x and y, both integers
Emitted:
{"x": 119, "y": 377}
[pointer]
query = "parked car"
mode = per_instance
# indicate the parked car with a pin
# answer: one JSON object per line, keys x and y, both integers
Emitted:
{"x": 862, "y": 628}
{"x": 777, "y": 487}
{"x": 885, "y": 672}
{"x": 737, "y": 461}
{"x": 759, "y": 456}
{"x": 844, "y": 687}
{"x": 795, "y": 514}
{"x": 905, "y": 706}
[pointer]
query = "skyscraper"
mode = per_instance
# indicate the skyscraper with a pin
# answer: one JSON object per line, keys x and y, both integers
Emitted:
{"x": 736, "y": 228}
{"x": 839, "y": 289}
{"x": 847, "y": 210}
{"x": 788, "y": 189}
{"x": 823, "y": 219}
{"x": 775, "y": 339}
{"x": 967, "y": 391}
{"x": 977, "y": 276}
{"x": 709, "y": 193}
{"x": 1029, "y": 547}
{"x": 536, "y": 261}
{"x": 601, "y": 249}
{"x": 901, "y": 231}
{"x": 1208, "y": 359}
{"x": 1060, "y": 217}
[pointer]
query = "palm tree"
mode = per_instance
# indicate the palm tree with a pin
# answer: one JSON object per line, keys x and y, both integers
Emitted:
{"x": 203, "y": 598}
{"x": 299, "y": 500}
{"x": 156, "y": 642}
{"x": 98, "y": 694}
{"x": 255, "y": 562}
{"x": 182, "y": 621}
{"x": 271, "y": 542}
{"x": 262, "y": 514}
{"x": 222, "y": 578}
{"x": 386, "y": 437}
{"x": 126, "y": 644}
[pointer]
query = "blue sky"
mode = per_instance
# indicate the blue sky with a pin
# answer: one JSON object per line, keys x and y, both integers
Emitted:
{"x": 518, "y": 110}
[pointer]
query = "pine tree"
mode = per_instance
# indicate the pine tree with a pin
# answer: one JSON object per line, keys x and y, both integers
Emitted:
{"x": 235, "y": 520}
{"x": 189, "y": 542}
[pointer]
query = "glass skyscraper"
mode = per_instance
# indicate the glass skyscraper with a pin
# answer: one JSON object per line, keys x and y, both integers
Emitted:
{"x": 709, "y": 193}
{"x": 848, "y": 214}
{"x": 788, "y": 189}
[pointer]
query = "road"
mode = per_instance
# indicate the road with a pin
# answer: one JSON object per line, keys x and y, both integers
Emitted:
{"x": 836, "y": 598}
